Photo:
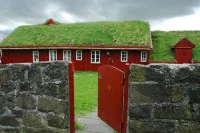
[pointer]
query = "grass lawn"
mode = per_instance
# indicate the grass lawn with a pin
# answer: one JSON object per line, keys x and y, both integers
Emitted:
{"x": 85, "y": 92}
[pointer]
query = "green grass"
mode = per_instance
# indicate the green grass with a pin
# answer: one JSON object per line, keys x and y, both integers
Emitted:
{"x": 85, "y": 92}
{"x": 128, "y": 33}
{"x": 79, "y": 126}
{"x": 162, "y": 42}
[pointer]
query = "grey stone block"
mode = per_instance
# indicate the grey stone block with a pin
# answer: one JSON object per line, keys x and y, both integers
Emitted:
{"x": 156, "y": 73}
{"x": 147, "y": 92}
{"x": 137, "y": 73}
{"x": 7, "y": 87}
{"x": 187, "y": 127}
{"x": 57, "y": 90}
{"x": 5, "y": 74}
{"x": 34, "y": 120}
{"x": 140, "y": 112}
{"x": 196, "y": 112}
{"x": 26, "y": 101}
{"x": 56, "y": 121}
{"x": 35, "y": 74}
{"x": 50, "y": 104}
{"x": 195, "y": 73}
{"x": 9, "y": 121}
{"x": 19, "y": 72}
{"x": 193, "y": 93}
{"x": 170, "y": 111}
{"x": 151, "y": 126}
{"x": 178, "y": 93}
{"x": 56, "y": 71}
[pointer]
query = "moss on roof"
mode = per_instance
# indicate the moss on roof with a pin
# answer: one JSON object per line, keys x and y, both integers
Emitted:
{"x": 128, "y": 33}
{"x": 162, "y": 42}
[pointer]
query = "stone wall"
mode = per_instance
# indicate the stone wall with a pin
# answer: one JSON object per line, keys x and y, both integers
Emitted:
{"x": 164, "y": 99}
{"x": 34, "y": 97}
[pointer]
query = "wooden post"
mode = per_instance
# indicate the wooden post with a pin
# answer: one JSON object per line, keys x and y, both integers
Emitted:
{"x": 71, "y": 93}
{"x": 124, "y": 125}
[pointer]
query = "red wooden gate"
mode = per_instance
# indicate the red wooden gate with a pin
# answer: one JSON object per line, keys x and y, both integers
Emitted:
{"x": 110, "y": 96}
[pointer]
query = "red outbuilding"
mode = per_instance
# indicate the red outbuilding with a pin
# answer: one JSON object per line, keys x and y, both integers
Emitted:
{"x": 88, "y": 45}
{"x": 183, "y": 51}
{"x": 50, "y": 22}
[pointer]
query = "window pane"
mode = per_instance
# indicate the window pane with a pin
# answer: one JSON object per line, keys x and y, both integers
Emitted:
{"x": 93, "y": 56}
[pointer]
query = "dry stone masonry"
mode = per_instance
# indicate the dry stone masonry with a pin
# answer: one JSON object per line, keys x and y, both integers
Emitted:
{"x": 164, "y": 99}
{"x": 34, "y": 98}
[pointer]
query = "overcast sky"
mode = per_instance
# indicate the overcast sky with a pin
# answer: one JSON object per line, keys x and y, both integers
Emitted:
{"x": 162, "y": 14}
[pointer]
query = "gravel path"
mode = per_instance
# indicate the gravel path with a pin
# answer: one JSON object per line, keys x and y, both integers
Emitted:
{"x": 93, "y": 124}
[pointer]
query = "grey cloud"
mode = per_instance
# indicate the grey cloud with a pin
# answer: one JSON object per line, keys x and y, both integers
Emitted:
{"x": 32, "y": 11}
{"x": 35, "y": 11}
{"x": 4, "y": 33}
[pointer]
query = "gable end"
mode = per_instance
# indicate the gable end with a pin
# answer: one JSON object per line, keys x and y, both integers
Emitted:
{"x": 184, "y": 43}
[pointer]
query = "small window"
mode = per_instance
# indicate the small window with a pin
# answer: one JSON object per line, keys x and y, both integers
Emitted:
{"x": 95, "y": 56}
{"x": 143, "y": 56}
{"x": 53, "y": 55}
{"x": 35, "y": 56}
{"x": 67, "y": 55}
{"x": 78, "y": 54}
{"x": 124, "y": 56}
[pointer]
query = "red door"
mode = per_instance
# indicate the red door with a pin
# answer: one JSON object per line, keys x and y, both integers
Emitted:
{"x": 110, "y": 96}
{"x": 184, "y": 55}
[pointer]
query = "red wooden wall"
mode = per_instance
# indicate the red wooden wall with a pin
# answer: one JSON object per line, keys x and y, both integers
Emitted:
{"x": 113, "y": 58}
{"x": 107, "y": 57}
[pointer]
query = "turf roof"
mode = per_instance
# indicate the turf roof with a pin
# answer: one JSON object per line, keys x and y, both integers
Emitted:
{"x": 128, "y": 33}
{"x": 162, "y": 42}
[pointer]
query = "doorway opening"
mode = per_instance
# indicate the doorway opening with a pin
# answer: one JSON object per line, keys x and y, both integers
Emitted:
{"x": 86, "y": 103}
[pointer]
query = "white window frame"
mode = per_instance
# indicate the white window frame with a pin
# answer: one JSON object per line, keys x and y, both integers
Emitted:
{"x": 94, "y": 52}
{"x": 143, "y": 56}
{"x": 54, "y": 55}
{"x": 124, "y": 53}
{"x": 37, "y": 54}
{"x": 1, "y": 54}
{"x": 67, "y": 55}
{"x": 78, "y": 54}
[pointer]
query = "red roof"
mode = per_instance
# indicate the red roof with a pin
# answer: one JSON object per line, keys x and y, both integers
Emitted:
{"x": 50, "y": 22}
{"x": 184, "y": 43}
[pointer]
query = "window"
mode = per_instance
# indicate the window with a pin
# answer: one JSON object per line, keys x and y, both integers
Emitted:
{"x": 35, "y": 56}
{"x": 78, "y": 55}
{"x": 143, "y": 56}
{"x": 95, "y": 56}
{"x": 124, "y": 56}
{"x": 52, "y": 55}
{"x": 67, "y": 55}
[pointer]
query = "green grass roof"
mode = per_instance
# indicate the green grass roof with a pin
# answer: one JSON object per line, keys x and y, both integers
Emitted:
{"x": 162, "y": 42}
{"x": 128, "y": 33}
